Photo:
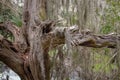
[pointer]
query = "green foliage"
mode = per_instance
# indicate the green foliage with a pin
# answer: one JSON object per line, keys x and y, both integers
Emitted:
{"x": 111, "y": 17}
{"x": 101, "y": 64}
{"x": 107, "y": 29}
{"x": 7, "y": 15}
{"x": 16, "y": 20}
{"x": 102, "y": 61}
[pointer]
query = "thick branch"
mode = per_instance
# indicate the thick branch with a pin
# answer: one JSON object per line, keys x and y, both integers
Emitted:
{"x": 73, "y": 36}
{"x": 10, "y": 56}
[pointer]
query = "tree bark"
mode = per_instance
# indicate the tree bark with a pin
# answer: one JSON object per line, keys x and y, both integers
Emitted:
{"x": 28, "y": 54}
{"x": 34, "y": 63}
{"x": 38, "y": 60}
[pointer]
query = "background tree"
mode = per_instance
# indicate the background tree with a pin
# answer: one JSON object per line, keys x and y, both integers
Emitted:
{"x": 32, "y": 54}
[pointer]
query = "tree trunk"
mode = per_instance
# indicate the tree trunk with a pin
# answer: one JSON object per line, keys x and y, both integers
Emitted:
{"x": 33, "y": 63}
{"x": 28, "y": 54}
{"x": 37, "y": 62}
{"x": 35, "y": 59}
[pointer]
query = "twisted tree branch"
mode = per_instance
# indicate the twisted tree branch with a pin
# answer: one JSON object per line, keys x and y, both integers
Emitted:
{"x": 75, "y": 37}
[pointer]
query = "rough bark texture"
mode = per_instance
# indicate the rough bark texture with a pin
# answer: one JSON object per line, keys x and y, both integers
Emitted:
{"x": 34, "y": 62}
{"x": 28, "y": 54}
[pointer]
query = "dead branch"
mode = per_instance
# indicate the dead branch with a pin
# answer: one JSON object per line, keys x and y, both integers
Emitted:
{"x": 75, "y": 37}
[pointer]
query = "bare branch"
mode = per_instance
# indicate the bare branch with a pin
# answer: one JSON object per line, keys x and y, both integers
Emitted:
{"x": 75, "y": 37}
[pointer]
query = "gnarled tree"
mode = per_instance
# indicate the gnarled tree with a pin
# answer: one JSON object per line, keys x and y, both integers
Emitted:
{"x": 28, "y": 54}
